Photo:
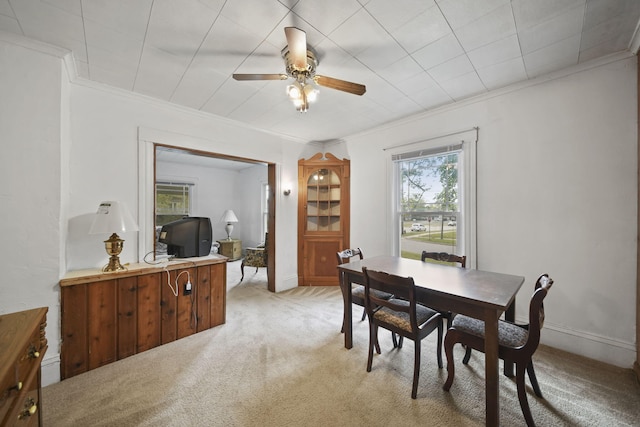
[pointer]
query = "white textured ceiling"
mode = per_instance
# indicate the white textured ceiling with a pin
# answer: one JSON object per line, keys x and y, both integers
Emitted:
{"x": 412, "y": 55}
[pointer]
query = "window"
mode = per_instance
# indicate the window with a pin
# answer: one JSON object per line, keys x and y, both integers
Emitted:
{"x": 434, "y": 197}
{"x": 173, "y": 201}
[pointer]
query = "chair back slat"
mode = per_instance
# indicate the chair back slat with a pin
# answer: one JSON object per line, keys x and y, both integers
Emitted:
{"x": 445, "y": 257}
{"x": 347, "y": 255}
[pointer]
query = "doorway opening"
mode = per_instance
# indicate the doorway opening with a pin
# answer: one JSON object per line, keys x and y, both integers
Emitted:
{"x": 207, "y": 194}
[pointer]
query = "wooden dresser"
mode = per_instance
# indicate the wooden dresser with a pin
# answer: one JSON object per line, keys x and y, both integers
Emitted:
{"x": 22, "y": 347}
{"x": 110, "y": 316}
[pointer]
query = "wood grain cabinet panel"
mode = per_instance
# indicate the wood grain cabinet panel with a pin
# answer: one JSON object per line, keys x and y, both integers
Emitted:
{"x": 127, "y": 316}
{"x": 149, "y": 311}
{"x": 74, "y": 357}
{"x": 110, "y": 316}
{"x": 203, "y": 298}
{"x": 218, "y": 287}
{"x": 102, "y": 323}
{"x": 185, "y": 316}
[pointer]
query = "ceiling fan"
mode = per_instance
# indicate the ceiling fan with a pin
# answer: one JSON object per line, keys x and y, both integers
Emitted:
{"x": 301, "y": 63}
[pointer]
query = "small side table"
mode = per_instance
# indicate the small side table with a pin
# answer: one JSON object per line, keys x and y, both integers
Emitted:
{"x": 232, "y": 249}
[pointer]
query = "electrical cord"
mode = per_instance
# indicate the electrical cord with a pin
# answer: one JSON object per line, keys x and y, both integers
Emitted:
{"x": 157, "y": 262}
{"x": 175, "y": 289}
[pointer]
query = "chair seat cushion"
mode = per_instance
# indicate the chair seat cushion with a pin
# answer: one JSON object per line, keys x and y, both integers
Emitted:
{"x": 509, "y": 335}
{"x": 401, "y": 319}
{"x": 358, "y": 292}
{"x": 255, "y": 257}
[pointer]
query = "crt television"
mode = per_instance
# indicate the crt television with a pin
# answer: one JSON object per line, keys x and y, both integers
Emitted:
{"x": 187, "y": 237}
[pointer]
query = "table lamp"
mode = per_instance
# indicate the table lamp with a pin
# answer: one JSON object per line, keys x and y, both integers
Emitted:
{"x": 229, "y": 217}
{"x": 113, "y": 217}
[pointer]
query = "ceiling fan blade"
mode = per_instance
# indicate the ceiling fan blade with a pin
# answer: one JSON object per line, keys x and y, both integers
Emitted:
{"x": 260, "y": 76}
{"x": 297, "y": 42}
{"x": 343, "y": 85}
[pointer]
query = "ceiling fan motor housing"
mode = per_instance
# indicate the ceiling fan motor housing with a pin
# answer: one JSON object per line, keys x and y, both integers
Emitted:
{"x": 297, "y": 72}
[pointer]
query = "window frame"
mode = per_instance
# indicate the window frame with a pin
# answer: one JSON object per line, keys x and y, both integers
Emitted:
{"x": 467, "y": 185}
{"x": 190, "y": 186}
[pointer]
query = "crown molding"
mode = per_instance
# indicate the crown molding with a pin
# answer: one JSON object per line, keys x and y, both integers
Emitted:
{"x": 155, "y": 102}
{"x": 45, "y": 48}
{"x": 634, "y": 44}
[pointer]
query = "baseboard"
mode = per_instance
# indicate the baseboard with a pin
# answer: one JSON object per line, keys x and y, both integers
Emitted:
{"x": 288, "y": 283}
{"x": 50, "y": 370}
{"x": 604, "y": 349}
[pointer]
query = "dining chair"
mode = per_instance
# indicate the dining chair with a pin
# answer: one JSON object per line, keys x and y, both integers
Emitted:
{"x": 401, "y": 315}
{"x": 357, "y": 291}
{"x": 516, "y": 343}
{"x": 458, "y": 260}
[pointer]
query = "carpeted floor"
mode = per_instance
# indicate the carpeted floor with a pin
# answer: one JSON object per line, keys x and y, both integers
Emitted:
{"x": 280, "y": 361}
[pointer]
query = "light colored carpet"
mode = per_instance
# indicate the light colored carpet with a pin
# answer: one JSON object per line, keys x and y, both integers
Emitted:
{"x": 280, "y": 361}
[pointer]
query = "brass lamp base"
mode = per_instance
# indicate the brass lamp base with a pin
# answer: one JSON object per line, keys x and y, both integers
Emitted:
{"x": 113, "y": 247}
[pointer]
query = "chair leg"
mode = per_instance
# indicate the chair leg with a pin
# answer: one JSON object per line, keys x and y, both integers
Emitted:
{"x": 416, "y": 369}
{"x": 534, "y": 380}
{"x": 439, "y": 350}
{"x": 373, "y": 337}
{"x": 364, "y": 314}
{"x": 449, "y": 342}
{"x": 395, "y": 340}
{"x": 256, "y": 270}
{"x": 242, "y": 270}
{"x": 467, "y": 355}
{"x": 522, "y": 394}
{"x": 400, "y": 341}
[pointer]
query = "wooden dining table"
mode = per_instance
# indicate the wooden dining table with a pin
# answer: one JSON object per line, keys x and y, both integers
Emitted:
{"x": 480, "y": 294}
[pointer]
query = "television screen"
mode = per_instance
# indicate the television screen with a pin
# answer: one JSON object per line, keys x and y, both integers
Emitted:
{"x": 187, "y": 237}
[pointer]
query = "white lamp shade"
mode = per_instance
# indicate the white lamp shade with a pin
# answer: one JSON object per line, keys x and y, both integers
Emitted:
{"x": 113, "y": 217}
{"x": 228, "y": 216}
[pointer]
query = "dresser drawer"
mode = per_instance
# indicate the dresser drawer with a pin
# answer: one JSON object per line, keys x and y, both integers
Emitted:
{"x": 30, "y": 358}
{"x": 23, "y": 344}
{"x": 26, "y": 407}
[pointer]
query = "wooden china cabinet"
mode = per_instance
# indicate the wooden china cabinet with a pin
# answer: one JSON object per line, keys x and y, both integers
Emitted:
{"x": 323, "y": 217}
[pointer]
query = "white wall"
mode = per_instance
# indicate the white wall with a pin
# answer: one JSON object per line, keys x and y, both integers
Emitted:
{"x": 557, "y": 191}
{"x": 31, "y": 137}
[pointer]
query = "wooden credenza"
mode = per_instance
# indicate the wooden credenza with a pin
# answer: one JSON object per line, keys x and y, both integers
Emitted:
{"x": 22, "y": 347}
{"x": 110, "y": 316}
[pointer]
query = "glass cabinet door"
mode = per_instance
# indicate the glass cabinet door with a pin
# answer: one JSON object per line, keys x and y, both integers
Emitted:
{"x": 323, "y": 200}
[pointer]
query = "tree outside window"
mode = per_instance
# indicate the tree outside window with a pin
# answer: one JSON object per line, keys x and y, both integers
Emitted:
{"x": 429, "y": 205}
{"x": 173, "y": 201}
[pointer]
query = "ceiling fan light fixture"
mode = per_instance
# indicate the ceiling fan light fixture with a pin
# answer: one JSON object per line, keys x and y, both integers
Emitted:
{"x": 311, "y": 92}
{"x": 294, "y": 91}
{"x": 300, "y": 64}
